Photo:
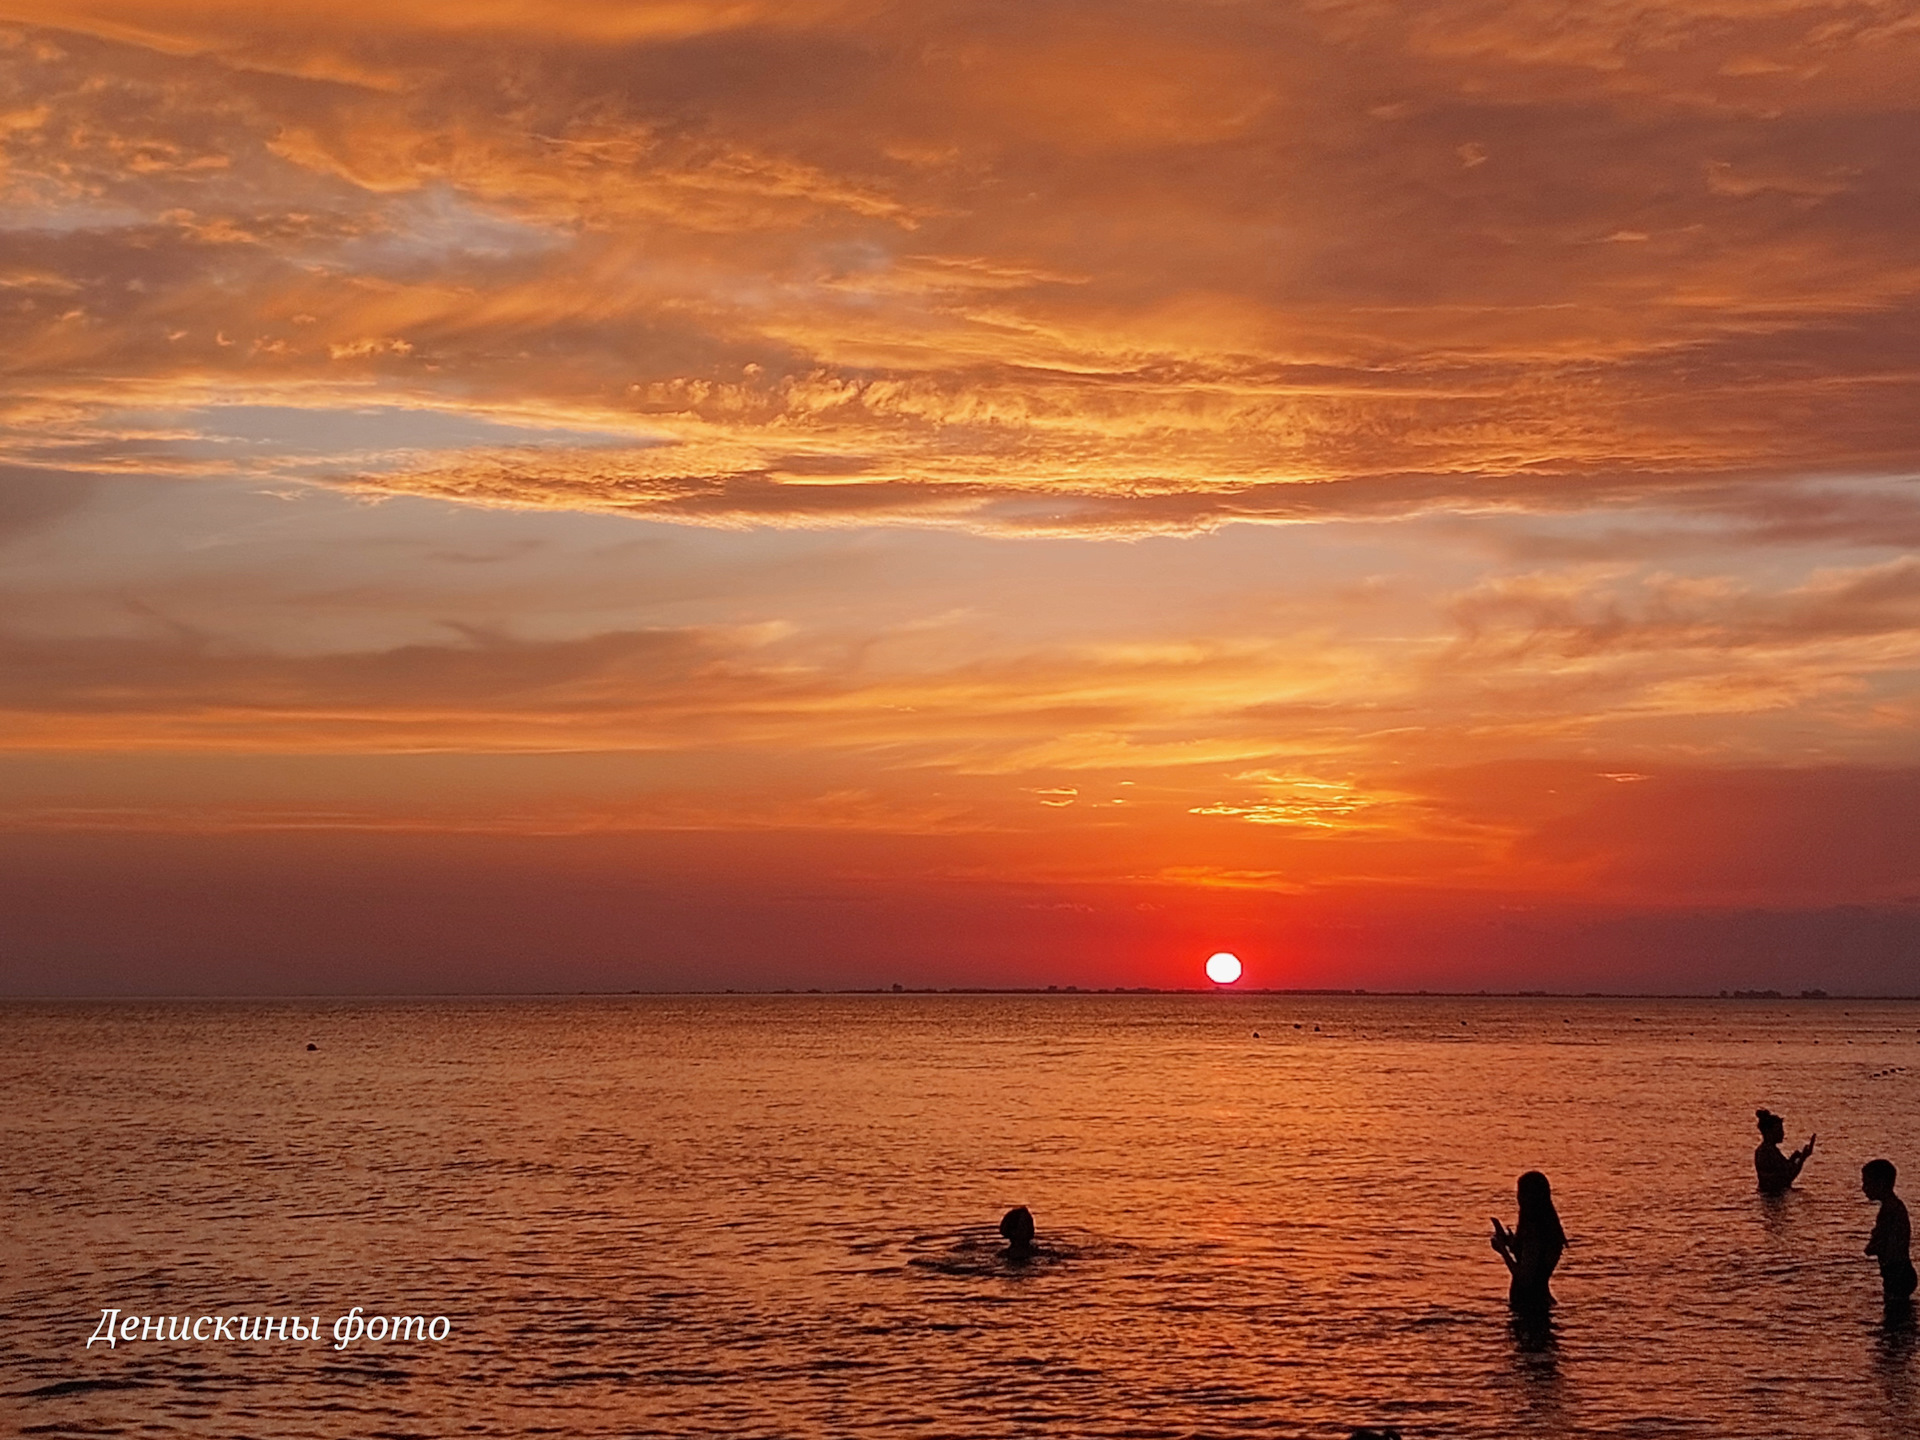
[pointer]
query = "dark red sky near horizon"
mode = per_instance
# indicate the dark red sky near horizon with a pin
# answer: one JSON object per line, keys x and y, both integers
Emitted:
{"x": 352, "y": 914}
{"x": 833, "y": 493}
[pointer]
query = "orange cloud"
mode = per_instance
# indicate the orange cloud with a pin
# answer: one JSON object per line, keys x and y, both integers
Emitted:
{"x": 1091, "y": 264}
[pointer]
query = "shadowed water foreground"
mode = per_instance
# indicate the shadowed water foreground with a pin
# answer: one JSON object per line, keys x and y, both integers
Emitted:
{"x": 775, "y": 1216}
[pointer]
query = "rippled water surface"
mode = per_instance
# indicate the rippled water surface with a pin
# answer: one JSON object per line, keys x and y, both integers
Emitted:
{"x": 772, "y": 1216}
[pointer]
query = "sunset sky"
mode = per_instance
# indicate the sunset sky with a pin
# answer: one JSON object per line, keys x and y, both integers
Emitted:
{"x": 645, "y": 494}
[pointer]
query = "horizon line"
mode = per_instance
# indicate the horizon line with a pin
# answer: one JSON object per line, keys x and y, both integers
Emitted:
{"x": 1812, "y": 996}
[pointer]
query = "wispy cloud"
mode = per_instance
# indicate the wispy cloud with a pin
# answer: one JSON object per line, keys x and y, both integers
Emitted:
{"x": 1123, "y": 269}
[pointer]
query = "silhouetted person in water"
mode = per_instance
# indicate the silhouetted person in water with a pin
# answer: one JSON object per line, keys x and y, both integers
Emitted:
{"x": 1532, "y": 1248}
{"x": 1892, "y": 1239}
{"x": 1017, "y": 1226}
{"x": 1777, "y": 1172}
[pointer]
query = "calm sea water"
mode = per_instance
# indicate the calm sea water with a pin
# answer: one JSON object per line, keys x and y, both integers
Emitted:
{"x": 760, "y": 1216}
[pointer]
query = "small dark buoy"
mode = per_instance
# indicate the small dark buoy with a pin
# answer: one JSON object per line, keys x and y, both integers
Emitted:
{"x": 1316, "y": 1028}
{"x": 1256, "y": 1034}
{"x": 312, "y": 1046}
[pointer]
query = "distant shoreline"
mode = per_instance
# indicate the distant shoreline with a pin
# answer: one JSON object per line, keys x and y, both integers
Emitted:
{"x": 1058, "y": 991}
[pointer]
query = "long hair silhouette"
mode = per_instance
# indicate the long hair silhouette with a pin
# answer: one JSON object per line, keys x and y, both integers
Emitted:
{"x": 1536, "y": 1206}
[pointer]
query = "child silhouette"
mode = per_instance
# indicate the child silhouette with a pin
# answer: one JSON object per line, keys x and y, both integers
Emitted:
{"x": 1892, "y": 1240}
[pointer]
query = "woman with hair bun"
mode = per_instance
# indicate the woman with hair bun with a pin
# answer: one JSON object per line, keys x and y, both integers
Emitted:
{"x": 1777, "y": 1172}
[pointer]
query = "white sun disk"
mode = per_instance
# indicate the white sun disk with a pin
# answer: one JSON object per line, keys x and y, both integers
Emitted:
{"x": 1223, "y": 968}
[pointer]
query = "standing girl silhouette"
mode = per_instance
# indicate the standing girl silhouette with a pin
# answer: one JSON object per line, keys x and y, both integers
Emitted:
{"x": 1532, "y": 1248}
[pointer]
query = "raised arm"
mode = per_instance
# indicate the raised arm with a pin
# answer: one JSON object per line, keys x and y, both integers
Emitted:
{"x": 1503, "y": 1244}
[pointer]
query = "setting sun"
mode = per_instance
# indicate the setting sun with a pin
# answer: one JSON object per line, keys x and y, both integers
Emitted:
{"x": 1223, "y": 968}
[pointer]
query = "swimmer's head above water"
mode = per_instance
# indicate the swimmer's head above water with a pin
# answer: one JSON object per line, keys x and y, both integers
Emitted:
{"x": 1017, "y": 1228}
{"x": 1772, "y": 1127}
